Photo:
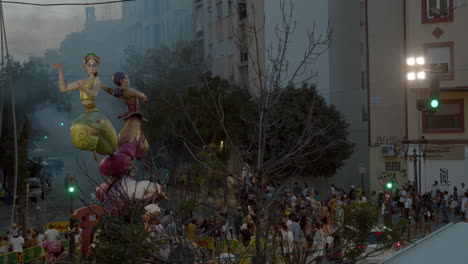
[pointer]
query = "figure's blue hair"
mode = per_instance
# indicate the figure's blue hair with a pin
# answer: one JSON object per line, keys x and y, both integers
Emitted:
{"x": 118, "y": 77}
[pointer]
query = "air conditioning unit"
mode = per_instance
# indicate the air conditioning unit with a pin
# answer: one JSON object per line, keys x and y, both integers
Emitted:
{"x": 387, "y": 150}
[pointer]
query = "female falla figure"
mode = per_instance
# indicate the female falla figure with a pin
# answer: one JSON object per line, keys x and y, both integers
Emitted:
{"x": 91, "y": 130}
{"x": 131, "y": 132}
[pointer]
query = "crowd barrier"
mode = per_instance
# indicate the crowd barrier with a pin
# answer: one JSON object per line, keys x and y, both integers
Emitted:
{"x": 32, "y": 254}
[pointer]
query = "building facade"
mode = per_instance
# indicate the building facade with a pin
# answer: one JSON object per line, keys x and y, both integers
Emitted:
{"x": 151, "y": 23}
{"x": 433, "y": 29}
{"x": 348, "y": 86}
{"x": 224, "y": 31}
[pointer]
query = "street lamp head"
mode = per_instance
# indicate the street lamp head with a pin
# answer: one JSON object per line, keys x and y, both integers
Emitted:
{"x": 421, "y": 75}
{"x": 410, "y": 61}
{"x": 420, "y": 61}
{"x": 411, "y": 76}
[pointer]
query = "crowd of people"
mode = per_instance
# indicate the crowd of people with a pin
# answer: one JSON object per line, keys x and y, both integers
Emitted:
{"x": 432, "y": 207}
{"x": 305, "y": 223}
{"x": 299, "y": 220}
{"x": 14, "y": 241}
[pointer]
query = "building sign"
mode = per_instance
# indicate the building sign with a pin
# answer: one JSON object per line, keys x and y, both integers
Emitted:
{"x": 445, "y": 152}
{"x": 444, "y": 177}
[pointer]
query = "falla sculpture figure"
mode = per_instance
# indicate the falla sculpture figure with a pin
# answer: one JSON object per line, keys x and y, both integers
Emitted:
{"x": 91, "y": 131}
{"x": 131, "y": 132}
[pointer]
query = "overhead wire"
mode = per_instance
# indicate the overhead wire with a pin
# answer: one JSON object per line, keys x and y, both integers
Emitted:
{"x": 67, "y": 4}
{"x": 4, "y": 48}
{"x": 4, "y": 43}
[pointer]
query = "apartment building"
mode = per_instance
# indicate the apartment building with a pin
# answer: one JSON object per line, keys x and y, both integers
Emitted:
{"x": 221, "y": 27}
{"x": 152, "y": 23}
{"x": 434, "y": 29}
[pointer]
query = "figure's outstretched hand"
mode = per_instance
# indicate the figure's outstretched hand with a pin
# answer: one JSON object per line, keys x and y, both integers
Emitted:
{"x": 145, "y": 100}
{"x": 57, "y": 65}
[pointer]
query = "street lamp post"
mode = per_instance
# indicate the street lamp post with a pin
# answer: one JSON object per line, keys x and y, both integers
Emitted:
{"x": 416, "y": 176}
{"x": 417, "y": 156}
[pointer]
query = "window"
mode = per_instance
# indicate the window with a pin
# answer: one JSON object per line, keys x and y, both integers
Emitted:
{"x": 244, "y": 56}
{"x": 210, "y": 13}
{"x": 219, "y": 31}
{"x": 199, "y": 21}
{"x": 230, "y": 29}
{"x": 449, "y": 118}
{"x": 392, "y": 166}
{"x": 242, "y": 11}
{"x": 244, "y": 75}
{"x": 229, "y": 7}
{"x": 219, "y": 10}
{"x": 146, "y": 6}
{"x": 435, "y": 11}
{"x": 362, "y": 13}
{"x": 156, "y": 7}
{"x": 440, "y": 59}
{"x": 364, "y": 114}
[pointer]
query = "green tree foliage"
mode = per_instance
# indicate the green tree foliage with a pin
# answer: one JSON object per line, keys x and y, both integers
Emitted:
{"x": 122, "y": 238}
{"x": 355, "y": 224}
{"x": 33, "y": 87}
{"x": 164, "y": 75}
{"x": 301, "y": 115}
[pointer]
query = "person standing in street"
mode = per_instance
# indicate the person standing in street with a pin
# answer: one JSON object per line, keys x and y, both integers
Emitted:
{"x": 464, "y": 206}
{"x": 2, "y": 197}
{"x": 445, "y": 207}
{"x": 51, "y": 234}
{"x": 16, "y": 242}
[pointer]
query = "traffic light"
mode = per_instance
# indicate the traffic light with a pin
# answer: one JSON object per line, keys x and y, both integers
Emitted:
{"x": 389, "y": 185}
{"x": 434, "y": 91}
{"x": 70, "y": 184}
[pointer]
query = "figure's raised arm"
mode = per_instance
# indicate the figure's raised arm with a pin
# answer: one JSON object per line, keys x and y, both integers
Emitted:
{"x": 107, "y": 89}
{"x": 140, "y": 95}
{"x": 62, "y": 85}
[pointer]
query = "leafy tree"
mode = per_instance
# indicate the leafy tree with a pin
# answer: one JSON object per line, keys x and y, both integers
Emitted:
{"x": 356, "y": 222}
{"x": 122, "y": 238}
{"x": 300, "y": 114}
{"x": 33, "y": 87}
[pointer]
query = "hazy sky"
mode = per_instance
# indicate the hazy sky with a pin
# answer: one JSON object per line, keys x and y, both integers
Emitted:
{"x": 32, "y": 29}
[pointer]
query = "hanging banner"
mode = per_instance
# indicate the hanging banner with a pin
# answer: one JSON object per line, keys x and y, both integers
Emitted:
{"x": 60, "y": 226}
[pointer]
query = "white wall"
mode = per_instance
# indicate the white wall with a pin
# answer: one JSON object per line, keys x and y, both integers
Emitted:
{"x": 457, "y": 171}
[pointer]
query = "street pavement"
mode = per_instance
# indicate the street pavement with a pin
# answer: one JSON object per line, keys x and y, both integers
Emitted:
{"x": 56, "y": 207}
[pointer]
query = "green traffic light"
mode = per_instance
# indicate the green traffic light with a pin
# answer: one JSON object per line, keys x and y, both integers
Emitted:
{"x": 389, "y": 185}
{"x": 61, "y": 124}
{"x": 71, "y": 189}
{"x": 434, "y": 103}
{"x": 45, "y": 137}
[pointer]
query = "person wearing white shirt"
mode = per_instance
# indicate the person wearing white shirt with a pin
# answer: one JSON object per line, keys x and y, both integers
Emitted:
{"x": 402, "y": 200}
{"x": 288, "y": 239}
{"x": 51, "y": 234}
{"x": 16, "y": 242}
{"x": 408, "y": 205}
{"x": 463, "y": 190}
{"x": 464, "y": 206}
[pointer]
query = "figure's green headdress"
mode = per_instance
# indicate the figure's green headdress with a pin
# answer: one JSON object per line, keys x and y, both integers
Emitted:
{"x": 92, "y": 55}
